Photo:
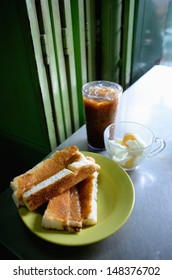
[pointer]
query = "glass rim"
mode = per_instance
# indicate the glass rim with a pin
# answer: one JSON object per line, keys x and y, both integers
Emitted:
{"x": 99, "y": 82}
{"x": 128, "y": 122}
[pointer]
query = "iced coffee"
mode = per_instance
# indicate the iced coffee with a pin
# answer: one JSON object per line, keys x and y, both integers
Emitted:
{"x": 101, "y": 100}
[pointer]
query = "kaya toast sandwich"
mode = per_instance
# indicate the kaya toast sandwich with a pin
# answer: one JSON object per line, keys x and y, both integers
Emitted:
{"x": 59, "y": 160}
{"x": 51, "y": 177}
{"x": 74, "y": 208}
{"x": 63, "y": 180}
{"x": 88, "y": 190}
{"x": 41, "y": 172}
{"x": 64, "y": 212}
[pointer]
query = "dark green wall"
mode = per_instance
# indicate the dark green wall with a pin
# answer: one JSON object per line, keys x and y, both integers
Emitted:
{"x": 23, "y": 132}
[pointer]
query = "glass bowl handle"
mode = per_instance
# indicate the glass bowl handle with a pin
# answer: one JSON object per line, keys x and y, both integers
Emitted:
{"x": 160, "y": 148}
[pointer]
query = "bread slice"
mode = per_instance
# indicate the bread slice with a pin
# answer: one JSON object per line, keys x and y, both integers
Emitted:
{"x": 88, "y": 190}
{"x": 63, "y": 212}
{"x": 43, "y": 170}
{"x": 57, "y": 212}
{"x": 60, "y": 182}
{"x": 75, "y": 219}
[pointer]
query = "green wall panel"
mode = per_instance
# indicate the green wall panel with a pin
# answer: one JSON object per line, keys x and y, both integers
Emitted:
{"x": 23, "y": 132}
{"x": 21, "y": 113}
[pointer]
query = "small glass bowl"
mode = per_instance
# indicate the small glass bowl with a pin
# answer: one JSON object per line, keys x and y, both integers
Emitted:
{"x": 129, "y": 143}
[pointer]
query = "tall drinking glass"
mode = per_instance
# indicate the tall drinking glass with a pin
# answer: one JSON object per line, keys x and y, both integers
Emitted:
{"x": 101, "y": 101}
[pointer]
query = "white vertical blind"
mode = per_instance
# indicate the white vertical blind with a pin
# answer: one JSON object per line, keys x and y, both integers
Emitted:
{"x": 82, "y": 33}
{"x": 53, "y": 71}
{"x": 41, "y": 71}
{"x": 64, "y": 23}
{"x": 61, "y": 70}
{"x": 90, "y": 39}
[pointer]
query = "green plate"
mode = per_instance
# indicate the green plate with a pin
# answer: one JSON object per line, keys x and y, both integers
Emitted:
{"x": 115, "y": 204}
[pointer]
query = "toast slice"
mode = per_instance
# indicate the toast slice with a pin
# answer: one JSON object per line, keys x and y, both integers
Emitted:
{"x": 68, "y": 177}
{"x": 63, "y": 212}
{"x": 88, "y": 190}
{"x": 43, "y": 170}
